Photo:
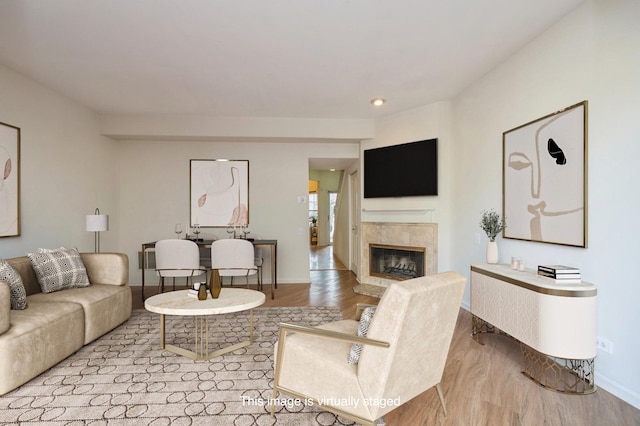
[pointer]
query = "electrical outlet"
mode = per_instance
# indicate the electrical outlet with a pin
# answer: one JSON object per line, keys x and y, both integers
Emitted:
{"x": 476, "y": 238}
{"x": 605, "y": 345}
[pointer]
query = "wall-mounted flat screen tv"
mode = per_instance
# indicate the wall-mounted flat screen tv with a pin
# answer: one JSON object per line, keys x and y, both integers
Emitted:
{"x": 405, "y": 170}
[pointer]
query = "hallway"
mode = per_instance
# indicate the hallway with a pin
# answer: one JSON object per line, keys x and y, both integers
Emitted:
{"x": 321, "y": 258}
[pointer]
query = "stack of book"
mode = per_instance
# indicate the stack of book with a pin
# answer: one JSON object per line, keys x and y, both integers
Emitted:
{"x": 560, "y": 274}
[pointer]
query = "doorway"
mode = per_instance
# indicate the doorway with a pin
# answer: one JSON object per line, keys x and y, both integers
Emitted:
{"x": 334, "y": 217}
{"x": 330, "y": 203}
{"x": 321, "y": 256}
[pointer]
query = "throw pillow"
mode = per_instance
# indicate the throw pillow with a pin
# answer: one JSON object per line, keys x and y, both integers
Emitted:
{"x": 363, "y": 327}
{"x": 59, "y": 269}
{"x": 18, "y": 294}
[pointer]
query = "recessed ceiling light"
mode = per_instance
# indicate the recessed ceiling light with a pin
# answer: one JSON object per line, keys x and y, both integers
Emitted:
{"x": 378, "y": 101}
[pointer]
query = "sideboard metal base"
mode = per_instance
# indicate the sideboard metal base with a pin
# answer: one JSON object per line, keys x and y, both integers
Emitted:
{"x": 570, "y": 376}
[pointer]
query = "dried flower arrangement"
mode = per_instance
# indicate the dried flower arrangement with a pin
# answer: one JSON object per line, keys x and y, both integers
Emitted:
{"x": 492, "y": 224}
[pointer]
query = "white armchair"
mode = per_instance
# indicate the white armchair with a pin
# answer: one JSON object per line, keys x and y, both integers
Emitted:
{"x": 403, "y": 353}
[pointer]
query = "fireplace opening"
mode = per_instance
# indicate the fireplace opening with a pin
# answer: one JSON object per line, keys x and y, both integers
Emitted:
{"x": 396, "y": 262}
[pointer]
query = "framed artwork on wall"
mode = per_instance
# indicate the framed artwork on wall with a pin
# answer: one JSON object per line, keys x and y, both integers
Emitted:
{"x": 544, "y": 178}
{"x": 219, "y": 193}
{"x": 9, "y": 180}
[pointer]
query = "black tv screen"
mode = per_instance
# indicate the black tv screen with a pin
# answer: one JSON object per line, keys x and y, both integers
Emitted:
{"x": 408, "y": 169}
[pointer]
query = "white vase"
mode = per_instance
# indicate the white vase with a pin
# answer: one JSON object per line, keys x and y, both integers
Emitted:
{"x": 492, "y": 252}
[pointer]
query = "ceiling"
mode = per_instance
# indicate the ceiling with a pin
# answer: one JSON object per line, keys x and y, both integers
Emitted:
{"x": 265, "y": 58}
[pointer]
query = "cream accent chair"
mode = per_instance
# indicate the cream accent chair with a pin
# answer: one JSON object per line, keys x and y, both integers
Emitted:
{"x": 233, "y": 257}
{"x": 178, "y": 259}
{"x": 403, "y": 353}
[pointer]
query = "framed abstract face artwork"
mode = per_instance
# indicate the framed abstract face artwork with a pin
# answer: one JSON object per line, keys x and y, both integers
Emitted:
{"x": 219, "y": 193}
{"x": 545, "y": 178}
{"x": 9, "y": 180}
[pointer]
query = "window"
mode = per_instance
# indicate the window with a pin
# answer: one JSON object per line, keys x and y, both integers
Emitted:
{"x": 333, "y": 198}
{"x": 313, "y": 207}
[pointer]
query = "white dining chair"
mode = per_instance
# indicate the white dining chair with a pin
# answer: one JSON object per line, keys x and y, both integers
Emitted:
{"x": 233, "y": 258}
{"x": 178, "y": 259}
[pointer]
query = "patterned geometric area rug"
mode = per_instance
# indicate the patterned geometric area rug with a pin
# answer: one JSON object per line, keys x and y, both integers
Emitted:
{"x": 124, "y": 378}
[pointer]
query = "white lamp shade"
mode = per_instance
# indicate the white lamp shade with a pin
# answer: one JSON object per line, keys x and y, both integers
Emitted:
{"x": 97, "y": 222}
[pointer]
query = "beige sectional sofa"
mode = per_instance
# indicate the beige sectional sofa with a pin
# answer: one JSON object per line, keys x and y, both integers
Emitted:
{"x": 55, "y": 325}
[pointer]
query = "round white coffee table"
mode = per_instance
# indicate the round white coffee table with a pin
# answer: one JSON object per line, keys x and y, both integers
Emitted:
{"x": 182, "y": 303}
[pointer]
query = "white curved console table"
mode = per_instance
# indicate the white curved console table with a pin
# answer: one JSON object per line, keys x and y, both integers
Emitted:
{"x": 555, "y": 323}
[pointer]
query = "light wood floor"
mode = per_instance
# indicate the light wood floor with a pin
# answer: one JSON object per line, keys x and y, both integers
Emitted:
{"x": 482, "y": 384}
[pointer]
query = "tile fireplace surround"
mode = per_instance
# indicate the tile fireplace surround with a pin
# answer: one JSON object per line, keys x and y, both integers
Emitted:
{"x": 397, "y": 234}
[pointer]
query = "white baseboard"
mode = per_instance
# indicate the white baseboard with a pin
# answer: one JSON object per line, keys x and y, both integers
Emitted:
{"x": 618, "y": 390}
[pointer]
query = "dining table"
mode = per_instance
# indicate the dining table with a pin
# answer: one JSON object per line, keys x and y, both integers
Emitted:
{"x": 272, "y": 245}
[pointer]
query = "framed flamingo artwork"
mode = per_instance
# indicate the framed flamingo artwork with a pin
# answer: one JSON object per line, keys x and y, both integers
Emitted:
{"x": 9, "y": 180}
{"x": 219, "y": 193}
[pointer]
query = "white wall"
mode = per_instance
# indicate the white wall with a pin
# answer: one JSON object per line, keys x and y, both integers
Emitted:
{"x": 153, "y": 194}
{"x": 342, "y": 230}
{"x": 591, "y": 55}
{"x": 431, "y": 121}
{"x": 67, "y": 168}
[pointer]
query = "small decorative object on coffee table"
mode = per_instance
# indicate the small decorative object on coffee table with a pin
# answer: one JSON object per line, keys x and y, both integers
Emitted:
{"x": 492, "y": 225}
{"x": 202, "y": 291}
{"x": 215, "y": 285}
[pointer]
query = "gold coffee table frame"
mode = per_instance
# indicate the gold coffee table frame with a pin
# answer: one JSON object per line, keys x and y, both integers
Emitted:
{"x": 183, "y": 304}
